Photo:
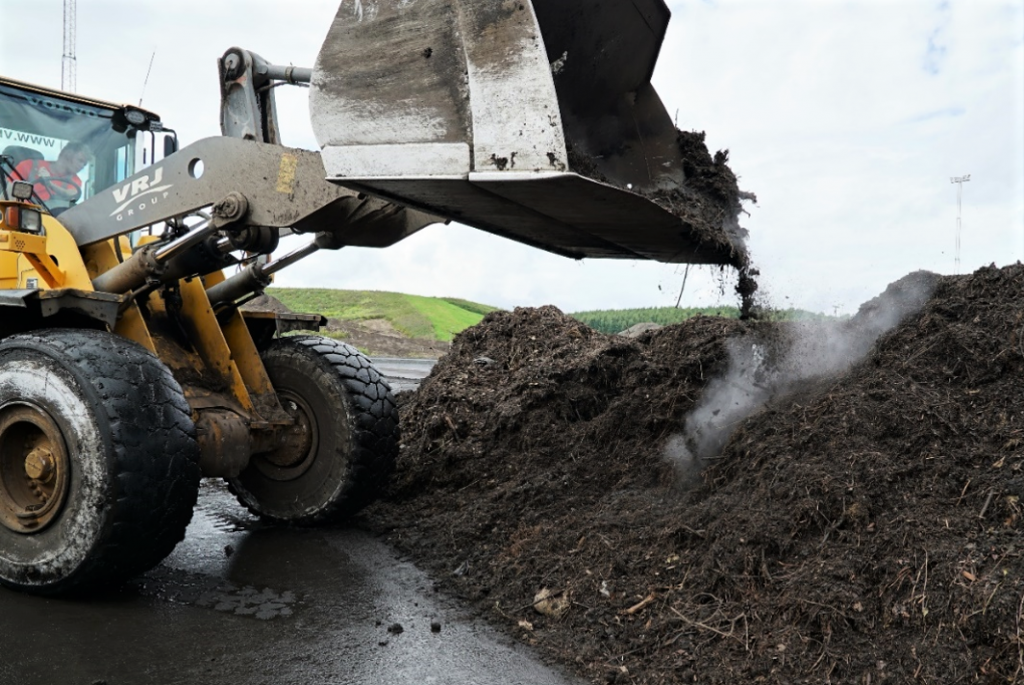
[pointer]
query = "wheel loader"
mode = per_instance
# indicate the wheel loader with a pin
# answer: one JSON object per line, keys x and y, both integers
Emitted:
{"x": 129, "y": 369}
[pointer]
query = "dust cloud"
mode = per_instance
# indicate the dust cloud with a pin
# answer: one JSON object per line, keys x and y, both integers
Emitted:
{"x": 771, "y": 364}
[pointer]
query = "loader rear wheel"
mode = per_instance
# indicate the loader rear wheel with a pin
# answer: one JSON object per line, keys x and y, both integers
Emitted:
{"x": 98, "y": 461}
{"x": 345, "y": 439}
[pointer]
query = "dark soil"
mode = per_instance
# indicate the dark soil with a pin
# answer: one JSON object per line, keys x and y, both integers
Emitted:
{"x": 865, "y": 528}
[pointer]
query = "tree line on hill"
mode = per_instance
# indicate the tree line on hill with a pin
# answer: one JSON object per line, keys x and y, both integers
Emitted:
{"x": 617, "y": 320}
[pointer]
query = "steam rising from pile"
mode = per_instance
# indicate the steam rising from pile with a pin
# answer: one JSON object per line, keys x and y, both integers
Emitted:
{"x": 764, "y": 369}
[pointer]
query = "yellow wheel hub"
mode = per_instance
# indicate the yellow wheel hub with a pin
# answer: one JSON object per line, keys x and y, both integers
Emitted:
{"x": 34, "y": 468}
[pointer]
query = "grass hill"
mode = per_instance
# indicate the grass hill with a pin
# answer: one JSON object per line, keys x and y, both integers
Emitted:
{"x": 415, "y": 316}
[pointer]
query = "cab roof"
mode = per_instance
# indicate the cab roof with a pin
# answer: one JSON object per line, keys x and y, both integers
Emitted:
{"x": 73, "y": 97}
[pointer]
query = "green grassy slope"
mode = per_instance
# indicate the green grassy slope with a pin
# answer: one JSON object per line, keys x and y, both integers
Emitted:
{"x": 415, "y": 316}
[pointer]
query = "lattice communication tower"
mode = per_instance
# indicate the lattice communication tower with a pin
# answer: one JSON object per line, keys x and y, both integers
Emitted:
{"x": 69, "y": 62}
{"x": 959, "y": 181}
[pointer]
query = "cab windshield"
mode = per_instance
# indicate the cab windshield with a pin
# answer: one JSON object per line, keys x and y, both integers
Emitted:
{"x": 35, "y": 126}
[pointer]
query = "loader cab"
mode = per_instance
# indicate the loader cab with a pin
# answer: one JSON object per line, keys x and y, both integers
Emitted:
{"x": 36, "y": 123}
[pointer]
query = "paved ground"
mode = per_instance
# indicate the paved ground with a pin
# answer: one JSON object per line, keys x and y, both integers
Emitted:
{"x": 242, "y": 603}
{"x": 403, "y": 374}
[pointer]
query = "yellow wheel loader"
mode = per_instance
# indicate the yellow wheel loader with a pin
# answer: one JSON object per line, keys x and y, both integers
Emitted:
{"x": 128, "y": 370}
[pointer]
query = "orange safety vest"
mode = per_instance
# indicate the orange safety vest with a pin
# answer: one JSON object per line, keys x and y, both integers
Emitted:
{"x": 31, "y": 170}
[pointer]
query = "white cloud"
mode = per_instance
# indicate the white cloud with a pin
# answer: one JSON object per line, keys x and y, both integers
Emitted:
{"x": 846, "y": 118}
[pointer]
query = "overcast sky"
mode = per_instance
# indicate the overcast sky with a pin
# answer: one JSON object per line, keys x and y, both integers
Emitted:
{"x": 847, "y": 119}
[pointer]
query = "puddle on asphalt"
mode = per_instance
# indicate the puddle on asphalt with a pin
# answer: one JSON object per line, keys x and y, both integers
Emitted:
{"x": 191, "y": 589}
{"x": 263, "y": 604}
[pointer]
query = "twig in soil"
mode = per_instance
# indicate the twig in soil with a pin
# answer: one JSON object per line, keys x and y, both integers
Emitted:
{"x": 1020, "y": 644}
{"x": 922, "y": 598}
{"x": 451, "y": 424}
{"x": 764, "y": 567}
{"x": 497, "y": 607}
{"x": 924, "y": 588}
{"x": 906, "y": 362}
{"x": 824, "y": 653}
{"x": 675, "y": 637}
{"x": 716, "y": 631}
{"x": 962, "y": 493}
{"x": 823, "y": 606}
{"x": 640, "y": 605}
{"x": 988, "y": 500}
{"x": 989, "y": 600}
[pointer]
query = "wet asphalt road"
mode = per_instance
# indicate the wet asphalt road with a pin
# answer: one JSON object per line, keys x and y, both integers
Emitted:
{"x": 242, "y": 602}
{"x": 403, "y": 374}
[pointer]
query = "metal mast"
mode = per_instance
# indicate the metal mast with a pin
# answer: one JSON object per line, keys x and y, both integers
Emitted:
{"x": 959, "y": 180}
{"x": 68, "y": 62}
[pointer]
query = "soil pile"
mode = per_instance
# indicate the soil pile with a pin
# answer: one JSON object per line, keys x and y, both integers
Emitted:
{"x": 863, "y": 528}
{"x": 377, "y": 338}
{"x": 266, "y": 303}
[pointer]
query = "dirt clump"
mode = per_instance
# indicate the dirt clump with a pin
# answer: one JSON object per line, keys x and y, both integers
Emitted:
{"x": 865, "y": 527}
{"x": 709, "y": 202}
{"x": 379, "y": 339}
{"x": 266, "y": 303}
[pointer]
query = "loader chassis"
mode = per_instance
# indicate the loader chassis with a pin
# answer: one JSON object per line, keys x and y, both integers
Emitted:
{"x": 96, "y": 304}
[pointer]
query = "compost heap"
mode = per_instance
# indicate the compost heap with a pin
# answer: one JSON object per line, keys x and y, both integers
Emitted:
{"x": 862, "y": 527}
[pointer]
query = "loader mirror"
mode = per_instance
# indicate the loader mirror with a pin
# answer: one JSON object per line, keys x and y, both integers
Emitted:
{"x": 170, "y": 145}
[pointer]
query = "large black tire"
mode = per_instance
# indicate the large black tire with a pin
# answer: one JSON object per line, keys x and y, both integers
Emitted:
{"x": 119, "y": 465}
{"x": 350, "y": 421}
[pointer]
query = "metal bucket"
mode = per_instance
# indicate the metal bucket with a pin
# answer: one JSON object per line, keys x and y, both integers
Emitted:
{"x": 535, "y": 120}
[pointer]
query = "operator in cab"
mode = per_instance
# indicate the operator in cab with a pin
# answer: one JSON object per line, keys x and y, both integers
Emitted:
{"x": 57, "y": 184}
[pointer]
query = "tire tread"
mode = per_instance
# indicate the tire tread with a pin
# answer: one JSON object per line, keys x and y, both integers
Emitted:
{"x": 154, "y": 451}
{"x": 375, "y": 442}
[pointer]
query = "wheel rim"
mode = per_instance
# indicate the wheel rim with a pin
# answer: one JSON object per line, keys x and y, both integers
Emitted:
{"x": 34, "y": 468}
{"x": 297, "y": 450}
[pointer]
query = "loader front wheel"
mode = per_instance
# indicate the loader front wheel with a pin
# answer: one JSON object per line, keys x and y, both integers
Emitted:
{"x": 98, "y": 461}
{"x": 344, "y": 442}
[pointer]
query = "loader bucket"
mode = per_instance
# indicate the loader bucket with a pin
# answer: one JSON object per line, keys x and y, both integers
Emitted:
{"x": 534, "y": 120}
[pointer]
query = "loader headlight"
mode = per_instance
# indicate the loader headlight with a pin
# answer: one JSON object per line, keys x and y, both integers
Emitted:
{"x": 21, "y": 190}
{"x": 21, "y": 218}
{"x": 135, "y": 117}
{"x": 31, "y": 221}
{"x": 131, "y": 117}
